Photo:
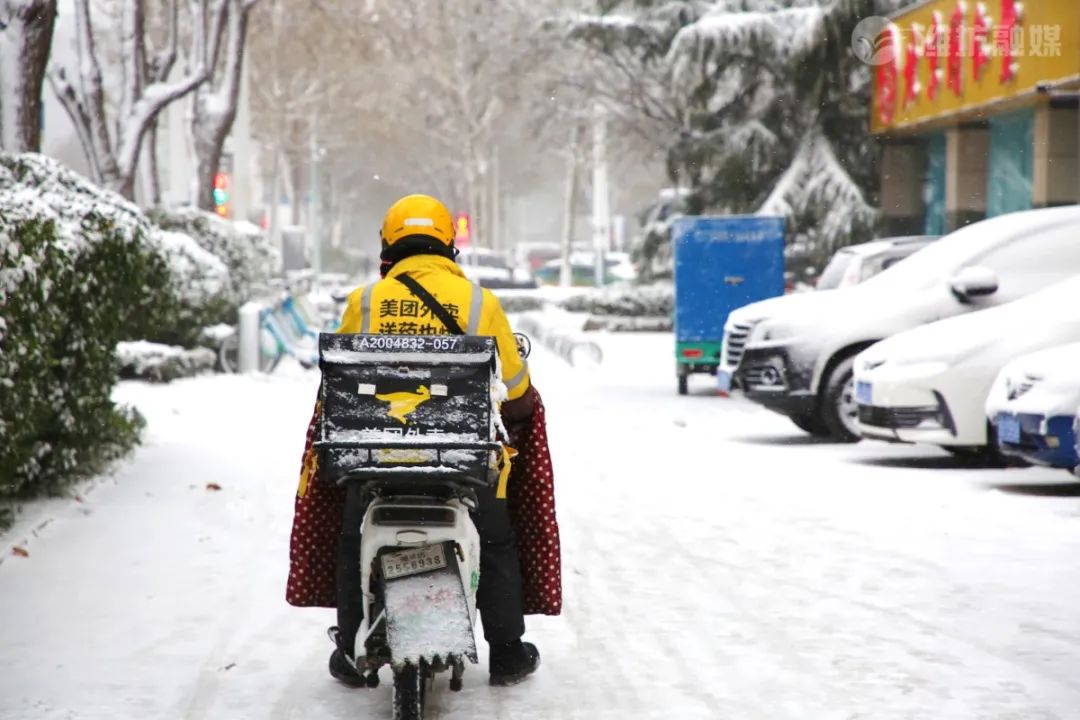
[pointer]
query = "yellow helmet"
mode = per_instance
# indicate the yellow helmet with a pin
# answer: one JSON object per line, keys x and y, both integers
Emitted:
{"x": 418, "y": 215}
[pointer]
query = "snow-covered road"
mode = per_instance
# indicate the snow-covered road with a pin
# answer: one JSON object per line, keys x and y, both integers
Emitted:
{"x": 717, "y": 564}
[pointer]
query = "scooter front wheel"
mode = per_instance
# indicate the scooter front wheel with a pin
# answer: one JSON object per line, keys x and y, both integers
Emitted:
{"x": 409, "y": 692}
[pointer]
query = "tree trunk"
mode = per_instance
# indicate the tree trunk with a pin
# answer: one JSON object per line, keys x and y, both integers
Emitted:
{"x": 274, "y": 220}
{"x": 297, "y": 188}
{"x": 495, "y": 225}
{"x": 207, "y": 163}
{"x": 123, "y": 184}
{"x": 153, "y": 168}
{"x": 214, "y": 110}
{"x": 566, "y": 271}
{"x": 24, "y": 52}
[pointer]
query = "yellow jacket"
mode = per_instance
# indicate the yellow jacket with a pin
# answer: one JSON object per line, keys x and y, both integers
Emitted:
{"x": 388, "y": 308}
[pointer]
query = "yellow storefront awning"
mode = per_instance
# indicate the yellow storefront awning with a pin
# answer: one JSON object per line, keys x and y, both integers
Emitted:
{"x": 948, "y": 61}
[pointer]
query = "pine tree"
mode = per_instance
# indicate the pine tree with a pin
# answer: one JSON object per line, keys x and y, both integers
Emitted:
{"x": 766, "y": 105}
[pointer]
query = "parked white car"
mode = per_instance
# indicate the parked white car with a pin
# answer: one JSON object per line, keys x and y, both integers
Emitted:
{"x": 491, "y": 270}
{"x": 795, "y": 354}
{"x": 858, "y": 263}
{"x": 1033, "y": 403}
{"x": 930, "y": 384}
{"x": 1076, "y": 446}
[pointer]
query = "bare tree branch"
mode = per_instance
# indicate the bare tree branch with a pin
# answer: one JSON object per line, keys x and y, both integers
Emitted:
{"x": 69, "y": 99}
{"x": 145, "y": 87}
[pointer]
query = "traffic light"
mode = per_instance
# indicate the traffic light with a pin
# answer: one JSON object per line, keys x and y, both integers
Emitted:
{"x": 462, "y": 230}
{"x": 221, "y": 195}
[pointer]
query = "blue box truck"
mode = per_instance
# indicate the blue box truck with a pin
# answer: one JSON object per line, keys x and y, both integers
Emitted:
{"x": 721, "y": 263}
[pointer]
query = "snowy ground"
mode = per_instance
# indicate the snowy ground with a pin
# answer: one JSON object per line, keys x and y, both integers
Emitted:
{"x": 717, "y": 565}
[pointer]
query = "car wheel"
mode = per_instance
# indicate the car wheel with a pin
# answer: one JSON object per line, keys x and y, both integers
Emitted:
{"x": 810, "y": 424}
{"x": 684, "y": 384}
{"x": 838, "y": 411}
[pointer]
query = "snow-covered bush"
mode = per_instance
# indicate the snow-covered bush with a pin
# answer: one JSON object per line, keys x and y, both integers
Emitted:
{"x": 245, "y": 250}
{"x": 194, "y": 292}
{"x": 62, "y": 308}
{"x": 155, "y": 362}
{"x": 518, "y": 301}
{"x": 198, "y": 294}
{"x": 80, "y": 270}
{"x": 624, "y": 324}
{"x": 651, "y": 250}
{"x": 634, "y": 301}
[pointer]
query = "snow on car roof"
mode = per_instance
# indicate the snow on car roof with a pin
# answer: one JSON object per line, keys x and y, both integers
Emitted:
{"x": 872, "y": 247}
{"x": 943, "y": 257}
{"x": 1053, "y": 383}
{"x": 1062, "y": 360}
{"x": 971, "y": 332}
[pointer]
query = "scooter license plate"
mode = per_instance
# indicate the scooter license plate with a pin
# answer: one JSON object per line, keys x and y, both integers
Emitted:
{"x": 413, "y": 561}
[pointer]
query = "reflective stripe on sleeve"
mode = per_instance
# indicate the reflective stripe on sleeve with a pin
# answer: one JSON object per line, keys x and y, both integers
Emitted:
{"x": 365, "y": 309}
{"x": 520, "y": 377}
{"x": 475, "y": 306}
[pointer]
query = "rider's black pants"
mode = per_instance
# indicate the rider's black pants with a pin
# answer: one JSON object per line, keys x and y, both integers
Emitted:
{"x": 498, "y": 598}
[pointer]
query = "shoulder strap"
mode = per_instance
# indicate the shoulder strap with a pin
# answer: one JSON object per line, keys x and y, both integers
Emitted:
{"x": 432, "y": 304}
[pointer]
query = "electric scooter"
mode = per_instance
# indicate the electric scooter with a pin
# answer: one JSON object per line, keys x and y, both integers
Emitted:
{"x": 411, "y": 423}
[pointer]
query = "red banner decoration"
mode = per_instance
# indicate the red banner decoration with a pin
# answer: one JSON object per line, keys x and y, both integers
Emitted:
{"x": 888, "y": 74}
{"x": 933, "y": 56}
{"x": 912, "y": 88}
{"x": 1003, "y": 37}
{"x": 980, "y": 48}
{"x": 954, "y": 78}
{"x": 946, "y": 46}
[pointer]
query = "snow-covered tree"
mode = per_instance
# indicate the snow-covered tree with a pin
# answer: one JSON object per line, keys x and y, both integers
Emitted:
{"x": 214, "y": 107}
{"x": 113, "y": 152}
{"x": 465, "y": 100}
{"x": 26, "y": 29}
{"x": 763, "y": 104}
{"x": 301, "y": 61}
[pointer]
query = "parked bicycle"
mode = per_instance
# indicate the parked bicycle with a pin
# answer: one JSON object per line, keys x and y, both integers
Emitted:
{"x": 284, "y": 331}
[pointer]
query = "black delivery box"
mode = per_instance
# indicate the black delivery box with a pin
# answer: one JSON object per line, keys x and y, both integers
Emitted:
{"x": 409, "y": 405}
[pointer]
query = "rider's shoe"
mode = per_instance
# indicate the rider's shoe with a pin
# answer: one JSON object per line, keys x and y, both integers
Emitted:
{"x": 343, "y": 671}
{"x": 510, "y": 663}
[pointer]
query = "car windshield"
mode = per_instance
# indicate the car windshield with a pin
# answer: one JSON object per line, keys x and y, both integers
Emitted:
{"x": 833, "y": 274}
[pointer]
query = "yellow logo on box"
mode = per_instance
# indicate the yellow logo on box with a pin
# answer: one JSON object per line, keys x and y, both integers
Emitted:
{"x": 403, "y": 404}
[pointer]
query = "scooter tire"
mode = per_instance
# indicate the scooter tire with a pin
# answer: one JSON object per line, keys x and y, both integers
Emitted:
{"x": 409, "y": 692}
